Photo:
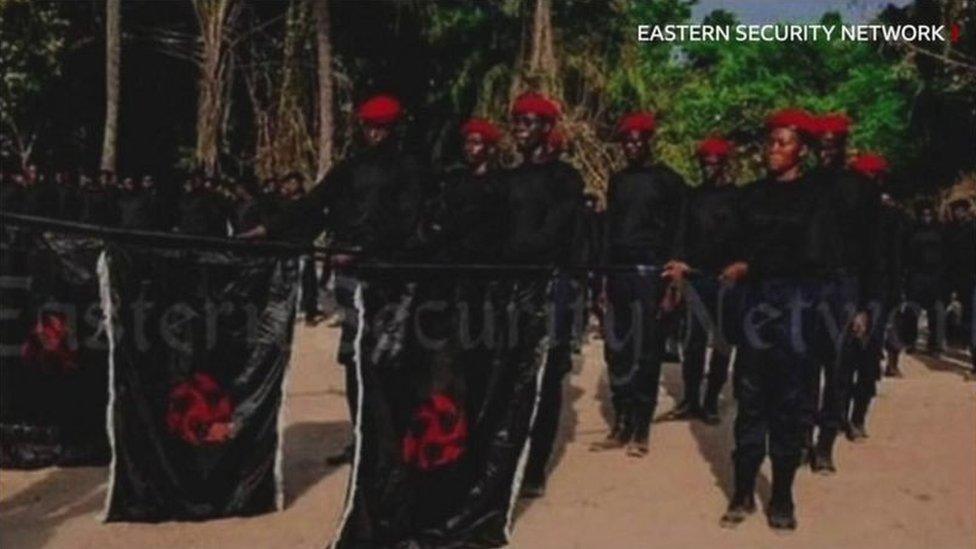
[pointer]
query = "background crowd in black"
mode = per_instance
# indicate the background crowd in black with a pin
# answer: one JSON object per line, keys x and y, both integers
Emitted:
{"x": 937, "y": 257}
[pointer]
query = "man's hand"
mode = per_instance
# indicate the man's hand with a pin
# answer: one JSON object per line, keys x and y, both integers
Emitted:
{"x": 254, "y": 234}
{"x": 735, "y": 272}
{"x": 859, "y": 326}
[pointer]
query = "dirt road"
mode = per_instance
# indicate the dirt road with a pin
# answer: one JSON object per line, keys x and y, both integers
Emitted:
{"x": 913, "y": 484}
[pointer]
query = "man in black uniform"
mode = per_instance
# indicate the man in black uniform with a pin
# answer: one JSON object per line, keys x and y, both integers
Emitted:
{"x": 542, "y": 197}
{"x": 851, "y": 292}
{"x": 961, "y": 271}
{"x": 861, "y": 358}
{"x": 644, "y": 203}
{"x": 97, "y": 200}
{"x": 139, "y": 205}
{"x": 202, "y": 210}
{"x": 370, "y": 201}
{"x": 925, "y": 263}
{"x": 706, "y": 241}
{"x": 790, "y": 246}
{"x": 65, "y": 196}
{"x": 892, "y": 231}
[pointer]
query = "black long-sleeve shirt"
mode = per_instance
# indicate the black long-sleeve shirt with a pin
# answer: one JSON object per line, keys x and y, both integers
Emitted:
{"x": 960, "y": 243}
{"x": 857, "y": 206}
{"x": 925, "y": 251}
{"x": 139, "y": 210}
{"x": 66, "y": 199}
{"x": 892, "y": 228}
{"x": 644, "y": 206}
{"x": 789, "y": 229}
{"x": 541, "y": 202}
{"x": 97, "y": 206}
{"x": 371, "y": 201}
{"x": 470, "y": 218}
{"x": 709, "y": 234}
{"x": 203, "y": 213}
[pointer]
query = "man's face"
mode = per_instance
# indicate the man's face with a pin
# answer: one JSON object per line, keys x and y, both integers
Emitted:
{"x": 887, "y": 200}
{"x": 376, "y": 134}
{"x": 636, "y": 147}
{"x": 712, "y": 168}
{"x": 128, "y": 184}
{"x": 928, "y": 216}
{"x": 19, "y": 179}
{"x": 148, "y": 182}
{"x": 833, "y": 148}
{"x": 961, "y": 212}
{"x": 784, "y": 150}
{"x": 32, "y": 172}
{"x": 290, "y": 187}
{"x": 476, "y": 150}
{"x": 529, "y": 130}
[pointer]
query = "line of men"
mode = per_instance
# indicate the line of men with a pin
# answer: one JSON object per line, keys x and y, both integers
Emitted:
{"x": 203, "y": 206}
{"x": 809, "y": 238}
{"x": 794, "y": 275}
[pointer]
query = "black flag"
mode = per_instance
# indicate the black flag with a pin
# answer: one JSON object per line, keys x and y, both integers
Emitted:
{"x": 54, "y": 351}
{"x": 200, "y": 345}
{"x": 448, "y": 371}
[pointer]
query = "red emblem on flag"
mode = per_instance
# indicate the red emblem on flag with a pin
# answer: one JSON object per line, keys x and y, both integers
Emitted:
{"x": 199, "y": 411}
{"x": 48, "y": 345}
{"x": 437, "y": 435}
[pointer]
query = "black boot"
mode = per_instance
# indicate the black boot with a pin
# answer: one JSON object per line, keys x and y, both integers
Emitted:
{"x": 823, "y": 455}
{"x": 710, "y": 406}
{"x": 782, "y": 511}
{"x": 743, "y": 502}
{"x": 687, "y": 409}
{"x": 639, "y": 444}
{"x": 857, "y": 432}
{"x": 620, "y": 433}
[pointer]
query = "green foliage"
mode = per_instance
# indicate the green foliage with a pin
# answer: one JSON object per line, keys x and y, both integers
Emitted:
{"x": 729, "y": 87}
{"x": 31, "y": 43}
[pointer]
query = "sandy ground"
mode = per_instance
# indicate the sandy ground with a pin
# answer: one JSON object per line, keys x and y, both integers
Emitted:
{"x": 913, "y": 484}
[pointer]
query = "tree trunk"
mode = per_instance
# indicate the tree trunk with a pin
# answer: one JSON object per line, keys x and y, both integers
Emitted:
{"x": 323, "y": 43}
{"x": 542, "y": 58}
{"x": 214, "y": 16}
{"x": 112, "y": 56}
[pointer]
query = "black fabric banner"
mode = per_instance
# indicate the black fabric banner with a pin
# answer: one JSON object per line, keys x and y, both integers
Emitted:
{"x": 449, "y": 371}
{"x": 200, "y": 345}
{"x": 53, "y": 350}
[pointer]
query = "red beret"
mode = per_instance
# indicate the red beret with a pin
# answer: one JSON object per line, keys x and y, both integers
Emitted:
{"x": 869, "y": 165}
{"x": 797, "y": 119}
{"x": 380, "y": 110}
{"x": 643, "y": 122}
{"x": 714, "y": 146}
{"x": 535, "y": 103}
{"x": 836, "y": 123}
{"x": 488, "y": 131}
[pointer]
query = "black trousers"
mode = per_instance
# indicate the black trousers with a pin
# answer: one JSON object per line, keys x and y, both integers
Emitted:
{"x": 925, "y": 294}
{"x": 777, "y": 363}
{"x": 310, "y": 288}
{"x": 634, "y": 340}
{"x": 837, "y": 353}
{"x": 558, "y": 364}
{"x": 710, "y": 308}
{"x": 345, "y": 292}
